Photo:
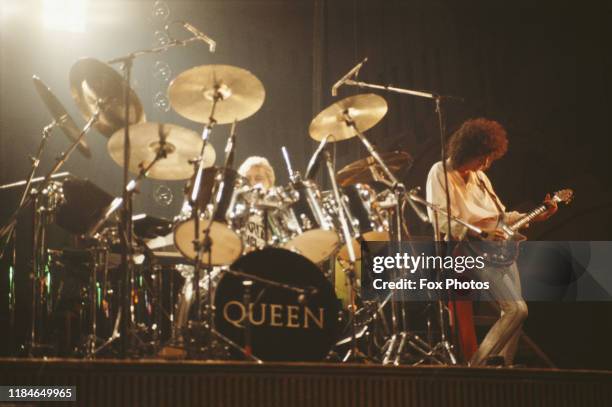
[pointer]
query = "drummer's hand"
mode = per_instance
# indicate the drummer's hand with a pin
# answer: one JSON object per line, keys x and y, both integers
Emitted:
{"x": 551, "y": 209}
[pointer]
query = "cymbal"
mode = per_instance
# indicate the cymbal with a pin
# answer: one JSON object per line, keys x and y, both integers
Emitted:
{"x": 182, "y": 145}
{"x": 192, "y": 93}
{"x": 367, "y": 170}
{"x": 365, "y": 109}
{"x": 60, "y": 115}
{"x": 91, "y": 81}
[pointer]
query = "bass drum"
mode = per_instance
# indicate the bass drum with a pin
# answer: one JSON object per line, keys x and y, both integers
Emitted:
{"x": 284, "y": 325}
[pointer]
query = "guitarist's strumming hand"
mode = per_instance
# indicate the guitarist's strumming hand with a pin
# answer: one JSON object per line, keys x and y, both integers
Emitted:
{"x": 551, "y": 209}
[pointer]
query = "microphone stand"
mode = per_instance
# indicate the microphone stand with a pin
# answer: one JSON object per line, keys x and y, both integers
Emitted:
{"x": 442, "y": 128}
{"x": 126, "y": 222}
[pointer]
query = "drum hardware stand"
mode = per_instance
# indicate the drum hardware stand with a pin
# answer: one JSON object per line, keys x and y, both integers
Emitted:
{"x": 30, "y": 196}
{"x": 399, "y": 190}
{"x": 92, "y": 338}
{"x": 113, "y": 207}
{"x": 205, "y": 246}
{"x": 412, "y": 195}
{"x": 246, "y": 300}
{"x": 354, "y": 354}
{"x": 9, "y": 231}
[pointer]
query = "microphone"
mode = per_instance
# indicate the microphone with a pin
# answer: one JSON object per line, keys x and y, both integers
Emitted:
{"x": 313, "y": 164}
{"x": 353, "y": 72}
{"x": 422, "y": 215}
{"x": 200, "y": 35}
{"x": 230, "y": 147}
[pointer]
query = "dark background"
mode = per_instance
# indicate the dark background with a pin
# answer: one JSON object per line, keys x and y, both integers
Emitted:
{"x": 540, "y": 68}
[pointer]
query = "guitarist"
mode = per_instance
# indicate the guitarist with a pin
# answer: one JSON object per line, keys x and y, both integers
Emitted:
{"x": 470, "y": 152}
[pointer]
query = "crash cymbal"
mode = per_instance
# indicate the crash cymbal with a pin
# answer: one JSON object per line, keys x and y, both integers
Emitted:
{"x": 367, "y": 170}
{"x": 366, "y": 110}
{"x": 192, "y": 93}
{"x": 92, "y": 81}
{"x": 60, "y": 115}
{"x": 182, "y": 145}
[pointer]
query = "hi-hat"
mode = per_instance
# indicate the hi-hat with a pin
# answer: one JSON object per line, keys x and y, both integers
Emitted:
{"x": 180, "y": 144}
{"x": 367, "y": 170}
{"x": 93, "y": 83}
{"x": 60, "y": 115}
{"x": 240, "y": 94}
{"x": 365, "y": 110}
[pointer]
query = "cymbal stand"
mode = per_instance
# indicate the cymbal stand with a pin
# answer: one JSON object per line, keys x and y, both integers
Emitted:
{"x": 204, "y": 246}
{"x": 396, "y": 233}
{"x": 355, "y": 354}
{"x": 117, "y": 203}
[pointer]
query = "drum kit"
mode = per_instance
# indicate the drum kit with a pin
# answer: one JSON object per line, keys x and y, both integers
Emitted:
{"x": 214, "y": 294}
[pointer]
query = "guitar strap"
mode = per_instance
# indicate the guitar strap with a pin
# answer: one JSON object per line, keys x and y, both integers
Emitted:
{"x": 498, "y": 205}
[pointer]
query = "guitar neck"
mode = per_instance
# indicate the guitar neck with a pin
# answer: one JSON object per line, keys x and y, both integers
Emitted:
{"x": 528, "y": 218}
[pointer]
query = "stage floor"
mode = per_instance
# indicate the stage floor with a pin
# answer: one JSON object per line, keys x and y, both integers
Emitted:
{"x": 181, "y": 383}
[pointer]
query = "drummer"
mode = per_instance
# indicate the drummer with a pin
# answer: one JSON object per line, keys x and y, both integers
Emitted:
{"x": 258, "y": 171}
{"x": 260, "y": 174}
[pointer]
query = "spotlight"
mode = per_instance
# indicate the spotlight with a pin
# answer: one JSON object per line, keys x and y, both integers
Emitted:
{"x": 64, "y": 15}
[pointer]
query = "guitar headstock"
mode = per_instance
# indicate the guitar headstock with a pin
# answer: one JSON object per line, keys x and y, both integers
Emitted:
{"x": 564, "y": 195}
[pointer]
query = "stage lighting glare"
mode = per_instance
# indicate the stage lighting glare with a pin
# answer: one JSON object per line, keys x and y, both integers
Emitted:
{"x": 64, "y": 15}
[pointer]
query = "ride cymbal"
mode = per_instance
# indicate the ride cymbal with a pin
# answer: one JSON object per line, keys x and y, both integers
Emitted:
{"x": 365, "y": 110}
{"x": 180, "y": 144}
{"x": 93, "y": 82}
{"x": 240, "y": 94}
{"x": 60, "y": 115}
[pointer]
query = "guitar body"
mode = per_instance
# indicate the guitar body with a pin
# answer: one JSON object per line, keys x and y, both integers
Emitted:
{"x": 495, "y": 252}
{"x": 505, "y": 252}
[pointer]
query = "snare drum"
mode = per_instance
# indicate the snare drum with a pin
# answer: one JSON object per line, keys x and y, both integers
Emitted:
{"x": 304, "y": 226}
{"x": 226, "y": 242}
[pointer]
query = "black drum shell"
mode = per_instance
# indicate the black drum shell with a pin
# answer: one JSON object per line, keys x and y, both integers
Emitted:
{"x": 280, "y": 343}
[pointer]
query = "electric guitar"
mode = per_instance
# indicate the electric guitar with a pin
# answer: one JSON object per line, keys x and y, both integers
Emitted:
{"x": 505, "y": 252}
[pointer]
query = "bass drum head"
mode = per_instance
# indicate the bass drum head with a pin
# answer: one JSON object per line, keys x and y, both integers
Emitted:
{"x": 283, "y": 328}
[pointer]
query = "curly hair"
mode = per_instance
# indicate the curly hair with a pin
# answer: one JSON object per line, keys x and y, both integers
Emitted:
{"x": 477, "y": 138}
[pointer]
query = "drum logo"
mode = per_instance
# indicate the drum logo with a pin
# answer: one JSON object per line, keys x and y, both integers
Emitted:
{"x": 274, "y": 315}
